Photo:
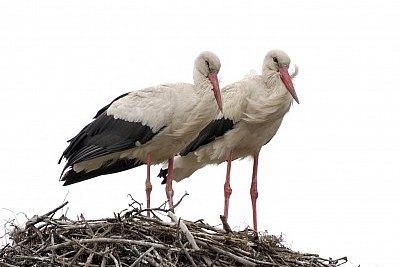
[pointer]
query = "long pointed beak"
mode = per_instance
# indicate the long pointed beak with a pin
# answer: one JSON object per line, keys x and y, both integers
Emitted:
{"x": 285, "y": 77}
{"x": 212, "y": 76}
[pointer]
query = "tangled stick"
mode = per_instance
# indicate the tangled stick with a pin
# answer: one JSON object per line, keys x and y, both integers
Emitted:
{"x": 132, "y": 239}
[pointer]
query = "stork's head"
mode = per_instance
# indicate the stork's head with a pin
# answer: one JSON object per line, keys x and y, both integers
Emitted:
{"x": 206, "y": 66}
{"x": 279, "y": 61}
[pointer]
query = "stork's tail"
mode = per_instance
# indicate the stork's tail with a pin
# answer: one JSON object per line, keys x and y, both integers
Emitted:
{"x": 72, "y": 177}
{"x": 184, "y": 167}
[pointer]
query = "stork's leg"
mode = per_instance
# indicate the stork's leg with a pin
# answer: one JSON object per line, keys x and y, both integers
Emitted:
{"x": 227, "y": 185}
{"x": 168, "y": 185}
{"x": 148, "y": 185}
{"x": 253, "y": 190}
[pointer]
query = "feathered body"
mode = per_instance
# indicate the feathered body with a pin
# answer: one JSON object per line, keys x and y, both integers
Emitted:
{"x": 135, "y": 124}
{"x": 253, "y": 111}
{"x": 254, "y": 108}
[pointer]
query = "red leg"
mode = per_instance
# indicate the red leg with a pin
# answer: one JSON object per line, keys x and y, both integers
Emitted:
{"x": 148, "y": 185}
{"x": 168, "y": 186}
{"x": 253, "y": 190}
{"x": 227, "y": 185}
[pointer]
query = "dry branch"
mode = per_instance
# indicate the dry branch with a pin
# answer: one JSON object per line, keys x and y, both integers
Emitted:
{"x": 131, "y": 239}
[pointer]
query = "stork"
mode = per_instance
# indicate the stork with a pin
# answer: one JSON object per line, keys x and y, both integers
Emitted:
{"x": 254, "y": 108}
{"x": 143, "y": 127}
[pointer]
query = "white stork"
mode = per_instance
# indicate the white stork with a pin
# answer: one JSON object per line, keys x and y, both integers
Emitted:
{"x": 254, "y": 108}
{"x": 142, "y": 127}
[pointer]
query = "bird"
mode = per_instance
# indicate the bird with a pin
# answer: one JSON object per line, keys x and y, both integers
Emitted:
{"x": 147, "y": 126}
{"x": 254, "y": 108}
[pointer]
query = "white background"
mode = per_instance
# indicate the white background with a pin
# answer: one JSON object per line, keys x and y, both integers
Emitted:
{"x": 328, "y": 181}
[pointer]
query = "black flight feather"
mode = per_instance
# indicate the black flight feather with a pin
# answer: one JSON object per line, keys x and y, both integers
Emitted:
{"x": 103, "y": 136}
{"x": 72, "y": 177}
{"x": 107, "y": 106}
{"x": 214, "y": 129}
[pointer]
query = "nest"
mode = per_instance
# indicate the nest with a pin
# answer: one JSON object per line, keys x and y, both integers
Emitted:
{"x": 133, "y": 239}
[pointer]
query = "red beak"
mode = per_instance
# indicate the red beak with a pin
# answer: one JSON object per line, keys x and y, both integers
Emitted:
{"x": 285, "y": 77}
{"x": 212, "y": 76}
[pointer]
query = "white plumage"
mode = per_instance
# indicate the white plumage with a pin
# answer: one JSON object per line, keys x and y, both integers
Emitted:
{"x": 253, "y": 111}
{"x": 141, "y": 126}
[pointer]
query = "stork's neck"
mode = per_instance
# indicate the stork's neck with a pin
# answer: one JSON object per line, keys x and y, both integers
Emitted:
{"x": 202, "y": 110}
{"x": 202, "y": 84}
{"x": 269, "y": 102}
{"x": 273, "y": 82}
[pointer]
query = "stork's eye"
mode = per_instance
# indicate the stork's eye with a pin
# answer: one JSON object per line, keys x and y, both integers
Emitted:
{"x": 208, "y": 64}
{"x": 275, "y": 59}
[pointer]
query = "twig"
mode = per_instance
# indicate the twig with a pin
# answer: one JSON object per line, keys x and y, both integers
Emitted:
{"x": 90, "y": 257}
{"x": 185, "y": 230}
{"x": 53, "y": 252}
{"x": 138, "y": 260}
{"x": 225, "y": 224}
{"x": 187, "y": 254}
{"x": 161, "y": 208}
{"x": 229, "y": 254}
{"x": 338, "y": 263}
{"x": 179, "y": 201}
{"x": 103, "y": 261}
{"x": 35, "y": 219}
{"x": 114, "y": 259}
{"x": 6, "y": 264}
{"x": 147, "y": 241}
{"x": 135, "y": 202}
{"x": 110, "y": 240}
{"x": 76, "y": 256}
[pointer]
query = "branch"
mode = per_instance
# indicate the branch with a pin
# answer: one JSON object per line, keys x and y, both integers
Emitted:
{"x": 136, "y": 262}
{"x": 225, "y": 224}
{"x": 35, "y": 219}
{"x": 185, "y": 230}
{"x": 229, "y": 254}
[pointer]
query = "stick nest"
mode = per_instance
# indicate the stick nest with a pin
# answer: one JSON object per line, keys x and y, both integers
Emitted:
{"x": 132, "y": 239}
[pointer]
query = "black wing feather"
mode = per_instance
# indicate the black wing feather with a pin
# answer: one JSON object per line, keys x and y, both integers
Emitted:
{"x": 72, "y": 177}
{"x": 107, "y": 106}
{"x": 214, "y": 129}
{"x": 105, "y": 135}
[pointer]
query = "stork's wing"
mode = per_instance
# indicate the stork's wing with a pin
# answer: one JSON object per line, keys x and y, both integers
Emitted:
{"x": 214, "y": 129}
{"x": 130, "y": 120}
{"x": 107, "y": 106}
{"x": 72, "y": 177}
{"x": 235, "y": 102}
{"x": 104, "y": 136}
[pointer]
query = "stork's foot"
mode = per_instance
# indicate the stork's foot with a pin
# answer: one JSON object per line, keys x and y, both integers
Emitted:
{"x": 168, "y": 186}
{"x": 227, "y": 185}
{"x": 254, "y": 191}
{"x": 148, "y": 185}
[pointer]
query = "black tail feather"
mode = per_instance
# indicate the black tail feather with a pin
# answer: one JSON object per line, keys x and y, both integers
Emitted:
{"x": 163, "y": 174}
{"x": 72, "y": 177}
